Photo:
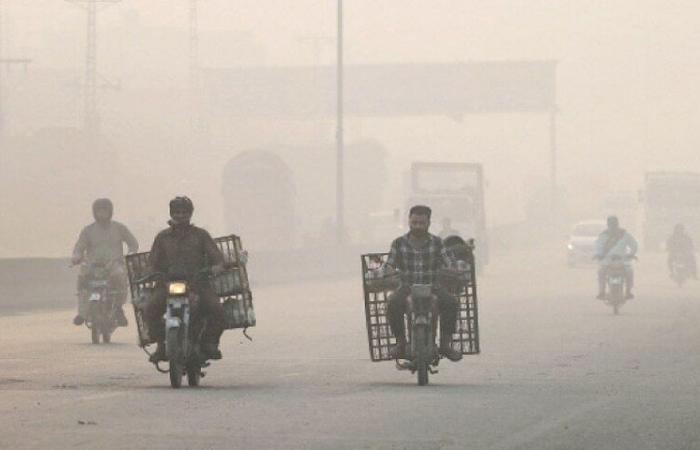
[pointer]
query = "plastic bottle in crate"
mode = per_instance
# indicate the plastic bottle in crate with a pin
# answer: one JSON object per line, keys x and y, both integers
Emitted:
{"x": 250, "y": 317}
{"x": 235, "y": 314}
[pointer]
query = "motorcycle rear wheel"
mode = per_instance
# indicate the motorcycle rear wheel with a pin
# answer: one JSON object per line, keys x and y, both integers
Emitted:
{"x": 194, "y": 375}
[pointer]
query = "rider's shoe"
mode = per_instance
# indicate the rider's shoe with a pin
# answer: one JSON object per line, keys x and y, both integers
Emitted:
{"x": 446, "y": 349}
{"x": 159, "y": 354}
{"x": 212, "y": 351}
{"x": 450, "y": 353}
{"x": 399, "y": 350}
{"x": 120, "y": 318}
{"x": 78, "y": 320}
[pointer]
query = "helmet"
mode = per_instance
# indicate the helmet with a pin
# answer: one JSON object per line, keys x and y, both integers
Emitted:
{"x": 103, "y": 204}
{"x": 181, "y": 203}
{"x": 613, "y": 222}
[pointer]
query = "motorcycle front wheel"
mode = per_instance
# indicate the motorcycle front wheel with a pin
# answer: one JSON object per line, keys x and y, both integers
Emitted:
{"x": 420, "y": 337}
{"x": 95, "y": 317}
{"x": 95, "y": 333}
{"x": 616, "y": 297}
{"x": 173, "y": 346}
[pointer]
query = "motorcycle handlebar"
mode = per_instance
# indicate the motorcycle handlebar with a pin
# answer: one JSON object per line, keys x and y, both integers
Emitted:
{"x": 160, "y": 275}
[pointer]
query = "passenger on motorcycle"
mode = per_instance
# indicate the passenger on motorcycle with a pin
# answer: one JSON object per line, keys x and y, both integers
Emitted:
{"x": 680, "y": 248}
{"x": 102, "y": 242}
{"x": 182, "y": 251}
{"x": 612, "y": 243}
{"x": 419, "y": 256}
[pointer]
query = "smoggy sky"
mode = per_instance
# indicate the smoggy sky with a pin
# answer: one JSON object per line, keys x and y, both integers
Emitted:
{"x": 626, "y": 78}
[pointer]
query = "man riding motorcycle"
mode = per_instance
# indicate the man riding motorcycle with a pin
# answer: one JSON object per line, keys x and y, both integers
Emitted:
{"x": 680, "y": 248}
{"x": 182, "y": 251}
{"x": 419, "y": 256}
{"x": 614, "y": 243}
{"x": 102, "y": 242}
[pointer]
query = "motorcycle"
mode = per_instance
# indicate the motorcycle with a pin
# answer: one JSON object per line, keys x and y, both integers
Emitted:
{"x": 183, "y": 333}
{"x": 422, "y": 314}
{"x": 615, "y": 279}
{"x": 680, "y": 271}
{"x": 101, "y": 304}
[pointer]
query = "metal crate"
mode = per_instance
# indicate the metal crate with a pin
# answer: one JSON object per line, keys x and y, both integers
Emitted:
{"x": 234, "y": 281}
{"x": 232, "y": 287}
{"x": 137, "y": 267}
{"x": 466, "y": 336}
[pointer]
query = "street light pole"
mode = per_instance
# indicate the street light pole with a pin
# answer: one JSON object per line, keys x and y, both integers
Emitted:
{"x": 340, "y": 175}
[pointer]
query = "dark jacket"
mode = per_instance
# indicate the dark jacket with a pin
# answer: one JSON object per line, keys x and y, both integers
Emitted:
{"x": 182, "y": 251}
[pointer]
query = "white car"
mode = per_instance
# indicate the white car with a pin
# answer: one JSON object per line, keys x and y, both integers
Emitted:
{"x": 581, "y": 244}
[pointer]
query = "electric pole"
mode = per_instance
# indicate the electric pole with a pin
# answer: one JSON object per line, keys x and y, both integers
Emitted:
{"x": 5, "y": 65}
{"x": 91, "y": 118}
{"x": 195, "y": 79}
{"x": 340, "y": 172}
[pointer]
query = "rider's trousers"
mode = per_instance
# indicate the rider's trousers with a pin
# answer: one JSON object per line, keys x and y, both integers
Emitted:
{"x": 447, "y": 305}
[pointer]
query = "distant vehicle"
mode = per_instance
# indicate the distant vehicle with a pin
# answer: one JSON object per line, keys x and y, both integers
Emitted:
{"x": 581, "y": 246}
{"x": 454, "y": 191}
{"x": 670, "y": 198}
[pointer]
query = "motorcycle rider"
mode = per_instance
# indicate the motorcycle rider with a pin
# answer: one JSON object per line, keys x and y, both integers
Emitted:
{"x": 102, "y": 242}
{"x": 680, "y": 248}
{"x": 419, "y": 255}
{"x": 615, "y": 242}
{"x": 181, "y": 252}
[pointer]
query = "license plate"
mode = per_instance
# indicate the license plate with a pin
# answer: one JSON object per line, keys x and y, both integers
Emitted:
{"x": 95, "y": 296}
{"x": 616, "y": 280}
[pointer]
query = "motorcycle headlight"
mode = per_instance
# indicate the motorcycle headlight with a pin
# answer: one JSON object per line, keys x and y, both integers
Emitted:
{"x": 177, "y": 288}
{"x": 570, "y": 246}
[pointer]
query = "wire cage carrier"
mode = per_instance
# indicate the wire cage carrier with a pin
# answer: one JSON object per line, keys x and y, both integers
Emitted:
{"x": 232, "y": 286}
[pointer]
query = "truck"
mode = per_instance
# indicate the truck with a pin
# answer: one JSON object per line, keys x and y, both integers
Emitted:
{"x": 453, "y": 191}
{"x": 670, "y": 198}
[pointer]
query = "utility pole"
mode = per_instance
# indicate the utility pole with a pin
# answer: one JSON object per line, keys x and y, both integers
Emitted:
{"x": 195, "y": 79}
{"x": 6, "y": 64}
{"x": 91, "y": 118}
{"x": 553, "y": 160}
{"x": 194, "y": 46}
{"x": 340, "y": 172}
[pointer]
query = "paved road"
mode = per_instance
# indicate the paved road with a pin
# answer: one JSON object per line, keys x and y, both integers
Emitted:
{"x": 558, "y": 371}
